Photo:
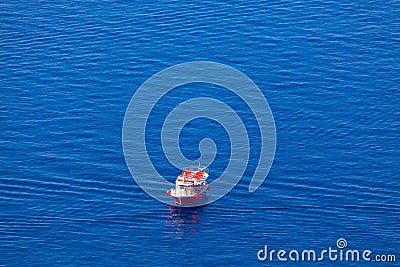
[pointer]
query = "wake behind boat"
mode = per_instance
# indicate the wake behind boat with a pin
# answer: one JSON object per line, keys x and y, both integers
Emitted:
{"x": 190, "y": 186}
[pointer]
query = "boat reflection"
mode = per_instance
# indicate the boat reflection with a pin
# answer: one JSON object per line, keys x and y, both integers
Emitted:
{"x": 181, "y": 221}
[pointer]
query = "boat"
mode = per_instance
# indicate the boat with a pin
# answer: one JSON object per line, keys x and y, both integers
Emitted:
{"x": 191, "y": 187}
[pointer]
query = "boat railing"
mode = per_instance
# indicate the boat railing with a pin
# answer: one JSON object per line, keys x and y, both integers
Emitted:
{"x": 187, "y": 191}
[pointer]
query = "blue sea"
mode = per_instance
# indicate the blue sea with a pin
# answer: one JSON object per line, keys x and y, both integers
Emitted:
{"x": 330, "y": 71}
